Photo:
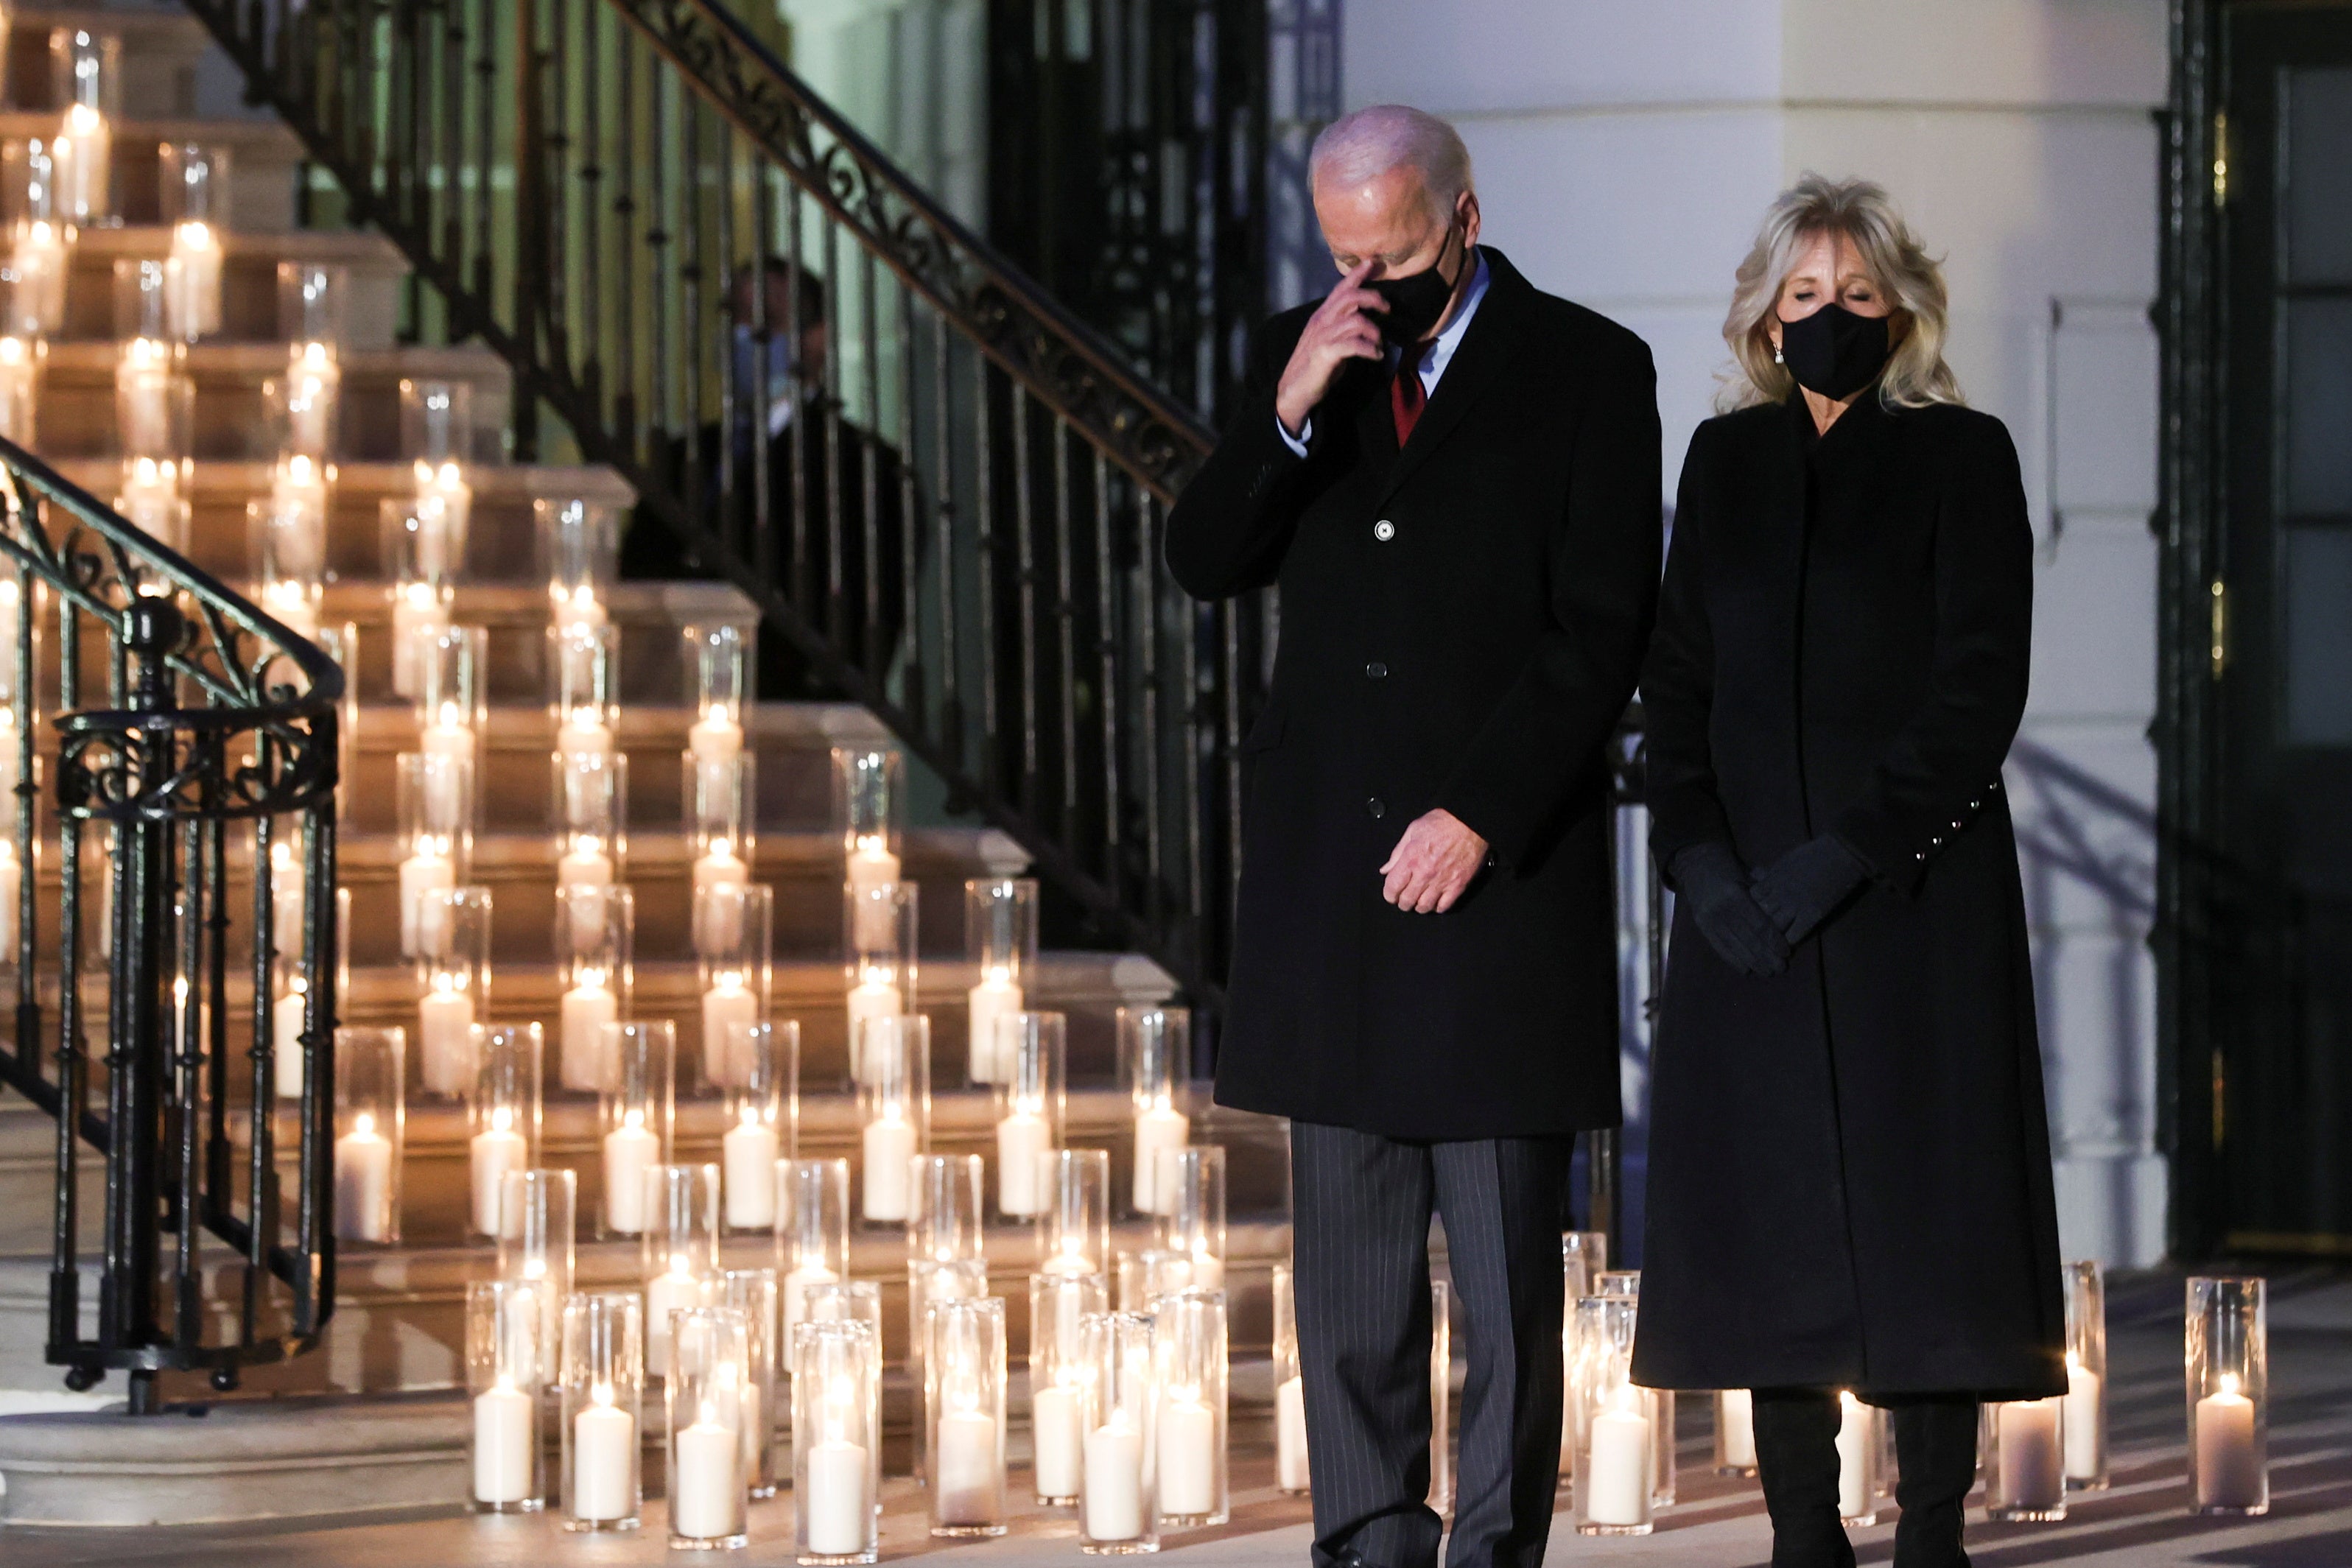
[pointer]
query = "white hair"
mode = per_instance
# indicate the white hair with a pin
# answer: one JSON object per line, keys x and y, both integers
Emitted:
{"x": 1369, "y": 142}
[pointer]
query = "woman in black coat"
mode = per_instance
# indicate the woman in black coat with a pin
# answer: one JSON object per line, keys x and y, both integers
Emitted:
{"x": 1849, "y": 1180}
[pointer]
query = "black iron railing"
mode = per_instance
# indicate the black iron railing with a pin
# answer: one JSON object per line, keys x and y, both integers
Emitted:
{"x": 166, "y": 736}
{"x": 944, "y": 491}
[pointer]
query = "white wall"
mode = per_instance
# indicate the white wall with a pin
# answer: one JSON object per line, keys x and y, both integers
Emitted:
{"x": 1625, "y": 154}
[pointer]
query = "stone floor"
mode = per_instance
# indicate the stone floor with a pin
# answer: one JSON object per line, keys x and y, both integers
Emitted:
{"x": 1719, "y": 1523}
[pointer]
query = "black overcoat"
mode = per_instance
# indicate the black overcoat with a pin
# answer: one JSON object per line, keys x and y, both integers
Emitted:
{"x": 1462, "y": 625}
{"x": 1849, "y": 1169}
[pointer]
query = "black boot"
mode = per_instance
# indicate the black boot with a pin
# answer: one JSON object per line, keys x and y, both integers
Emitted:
{"x": 1797, "y": 1460}
{"x": 1935, "y": 1446}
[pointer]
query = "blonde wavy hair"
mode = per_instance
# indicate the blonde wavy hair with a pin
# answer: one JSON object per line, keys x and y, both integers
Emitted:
{"x": 1911, "y": 279}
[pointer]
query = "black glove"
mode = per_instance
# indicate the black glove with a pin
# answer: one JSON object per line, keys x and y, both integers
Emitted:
{"x": 1711, "y": 877}
{"x": 1800, "y": 888}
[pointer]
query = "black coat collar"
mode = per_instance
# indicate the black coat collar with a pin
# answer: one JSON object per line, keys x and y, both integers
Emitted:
{"x": 1490, "y": 342}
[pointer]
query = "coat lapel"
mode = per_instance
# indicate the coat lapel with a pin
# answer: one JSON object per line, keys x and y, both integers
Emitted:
{"x": 1492, "y": 340}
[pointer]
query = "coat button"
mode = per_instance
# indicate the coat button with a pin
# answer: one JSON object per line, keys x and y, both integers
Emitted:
{"x": 1384, "y": 530}
{"x": 1376, "y": 671}
{"x": 1377, "y": 807}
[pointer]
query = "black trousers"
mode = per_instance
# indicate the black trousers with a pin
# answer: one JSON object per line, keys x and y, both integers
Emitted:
{"x": 1361, "y": 1236}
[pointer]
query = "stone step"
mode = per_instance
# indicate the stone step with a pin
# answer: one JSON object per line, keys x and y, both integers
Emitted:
{"x": 159, "y": 51}
{"x": 376, "y": 274}
{"x": 28, "y": 1154}
{"x": 263, "y": 155}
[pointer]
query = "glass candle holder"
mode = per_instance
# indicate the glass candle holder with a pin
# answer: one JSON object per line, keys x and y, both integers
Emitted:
{"x": 451, "y": 676}
{"x": 929, "y": 1283}
{"x": 40, "y": 240}
{"x": 423, "y": 554}
{"x": 679, "y": 1250}
{"x": 2227, "y": 1364}
{"x": 893, "y": 1112}
{"x": 86, "y": 81}
{"x": 311, "y": 305}
{"x": 579, "y": 548}
{"x": 2085, "y": 1421}
{"x": 752, "y": 1292}
{"x": 836, "y": 1435}
{"x": 733, "y": 923}
{"x": 193, "y": 182}
{"x": 371, "y": 1119}
{"x": 1118, "y": 1512}
{"x": 436, "y": 799}
{"x": 943, "y": 1222}
{"x": 22, "y": 358}
{"x": 436, "y": 421}
{"x": 453, "y": 973}
{"x": 504, "y": 1114}
{"x": 882, "y": 975}
{"x": 858, "y": 1301}
{"x": 313, "y": 302}
{"x": 589, "y": 792}
{"x": 302, "y": 403}
{"x": 1195, "y": 1225}
{"x": 152, "y": 495}
{"x": 720, "y": 820}
{"x": 538, "y": 1210}
{"x": 1583, "y": 1259}
{"x": 706, "y": 1393}
{"x": 603, "y": 1389}
{"x": 963, "y": 1415}
{"x": 760, "y": 1118}
{"x": 1862, "y": 1458}
{"x": 717, "y": 665}
{"x": 1059, "y": 1304}
{"x": 1290, "y": 1466}
{"x": 1032, "y": 1109}
{"x": 868, "y": 787}
{"x": 1616, "y": 1429}
{"x": 1147, "y": 1276}
{"x": 1155, "y": 1054}
{"x": 812, "y": 1230}
{"x": 1191, "y": 1439}
{"x": 1441, "y": 1397}
{"x": 286, "y": 531}
{"x": 595, "y": 935}
{"x": 505, "y": 1367}
{"x": 1074, "y": 1217}
{"x": 2024, "y": 1445}
{"x": 637, "y": 1114}
{"x": 1735, "y": 1432}
{"x": 1000, "y": 924}
{"x": 582, "y": 703}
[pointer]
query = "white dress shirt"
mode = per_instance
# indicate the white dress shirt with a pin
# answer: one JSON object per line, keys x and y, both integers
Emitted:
{"x": 1441, "y": 354}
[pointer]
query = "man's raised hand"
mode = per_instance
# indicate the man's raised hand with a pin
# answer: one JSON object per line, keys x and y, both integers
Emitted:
{"x": 1339, "y": 330}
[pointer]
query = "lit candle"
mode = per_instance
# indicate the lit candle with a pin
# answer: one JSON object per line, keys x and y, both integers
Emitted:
{"x": 1187, "y": 1457}
{"x": 1113, "y": 1495}
{"x": 445, "y": 502}
{"x": 672, "y": 1290}
{"x": 1616, "y": 1478}
{"x": 81, "y": 161}
{"x": 143, "y": 380}
{"x": 41, "y": 268}
{"x": 313, "y": 380}
{"x": 995, "y": 998}
{"x": 19, "y": 384}
{"x": 729, "y": 1003}
{"x": 584, "y": 868}
{"x": 890, "y": 1143}
{"x": 1204, "y": 1271}
{"x": 714, "y": 738}
{"x": 445, "y": 1027}
{"x": 970, "y": 1482}
{"x": 588, "y": 1006}
{"x": 497, "y": 1149}
{"x": 748, "y": 1160}
{"x": 1021, "y": 1137}
{"x": 1736, "y": 1409}
{"x": 604, "y": 1459}
{"x": 630, "y": 1150}
{"x": 718, "y": 921}
{"x": 874, "y": 995}
{"x": 872, "y": 869}
{"x": 839, "y": 1511}
{"x": 2228, "y": 1473}
{"x": 1162, "y": 1129}
{"x": 192, "y": 277}
{"x": 1854, "y": 1440}
{"x": 2032, "y": 1475}
{"x": 583, "y": 732}
{"x": 1057, "y": 1436}
{"x": 418, "y": 619}
{"x": 710, "y": 1488}
{"x": 422, "y": 873}
{"x": 286, "y": 1021}
{"x": 448, "y": 736}
{"x": 796, "y": 1284}
{"x": 1290, "y": 1470}
{"x": 504, "y": 1442}
{"x": 2085, "y": 1421}
{"x": 363, "y": 1182}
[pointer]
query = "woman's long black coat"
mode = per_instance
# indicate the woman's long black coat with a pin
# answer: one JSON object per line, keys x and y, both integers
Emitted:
{"x": 1849, "y": 1178}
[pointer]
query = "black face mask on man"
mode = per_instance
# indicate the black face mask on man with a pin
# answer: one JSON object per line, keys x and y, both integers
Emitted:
{"x": 1834, "y": 353}
{"x": 1416, "y": 300}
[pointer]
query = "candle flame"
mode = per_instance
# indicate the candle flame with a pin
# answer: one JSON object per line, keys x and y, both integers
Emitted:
{"x": 363, "y": 1124}
{"x": 634, "y": 1121}
{"x": 601, "y": 1393}
{"x": 501, "y": 1119}
{"x": 2226, "y": 1384}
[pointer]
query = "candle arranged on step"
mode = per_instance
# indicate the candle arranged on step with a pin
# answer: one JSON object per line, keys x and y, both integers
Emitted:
{"x": 1191, "y": 1344}
{"x": 894, "y": 1108}
{"x": 2028, "y": 1483}
{"x": 505, "y": 1446}
{"x": 504, "y": 1110}
{"x": 2227, "y": 1360}
{"x": 602, "y": 1376}
{"x": 363, "y": 1165}
{"x": 1032, "y": 1106}
{"x": 2085, "y": 1415}
{"x": 370, "y": 1074}
{"x": 594, "y": 936}
{"x": 496, "y": 1150}
{"x": 812, "y": 1230}
{"x": 1735, "y": 1432}
{"x": 1116, "y": 1510}
{"x": 963, "y": 1403}
{"x": 748, "y": 1159}
{"x": 1290, "y": 1467}
{"x": 506, "y": 1321}
{"x": 835, "y": 1437}
{"x": 867, "y": 785}
{"x": 1000, "y": 918}
{"x": 679, "y": 1252}
{"x": 1155, "y": 1059}
{"x": 604, "y": 1463}
{"x": 1615, "y": 1482}
{"x": 2229, "y": 1474}
{"x": 707, "y": 1393}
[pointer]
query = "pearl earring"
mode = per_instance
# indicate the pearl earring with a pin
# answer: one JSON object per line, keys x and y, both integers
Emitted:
{"x": 1776, "y": 353}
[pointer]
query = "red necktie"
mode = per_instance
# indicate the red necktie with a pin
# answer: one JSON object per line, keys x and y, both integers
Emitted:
{"x": 1406, "y": 398}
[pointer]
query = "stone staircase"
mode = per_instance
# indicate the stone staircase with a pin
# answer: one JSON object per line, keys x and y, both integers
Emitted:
{"x": 397, "y": 1336}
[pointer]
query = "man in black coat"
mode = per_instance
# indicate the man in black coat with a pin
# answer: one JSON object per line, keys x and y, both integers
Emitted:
{"x": 1452, "y": 478}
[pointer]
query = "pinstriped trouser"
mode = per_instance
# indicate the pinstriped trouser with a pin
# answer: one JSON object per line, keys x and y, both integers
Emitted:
{"x": 1362, "y": 1205}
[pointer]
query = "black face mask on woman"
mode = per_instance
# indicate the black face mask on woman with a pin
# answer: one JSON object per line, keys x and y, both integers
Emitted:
{"x": 1833, "y": 351}
{"x": 1415, "y": 301}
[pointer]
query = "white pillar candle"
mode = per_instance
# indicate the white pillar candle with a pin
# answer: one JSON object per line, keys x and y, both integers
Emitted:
{"x": 839, "y": 1511}
{"x": 2032, "y": 1474}
{"x": 192, "y": 279}
{"x": 418, "y": 619}
{"x": 504, "y": 1444}
{"x": 449, "y": 740}
{"x": 872, "y": 868}
{"x": 872, "y": 998}
{"x": 1021, "y": 1137}
{"x": 2228, "y": 1475}
{"x": 363, "y": 1182}
{"x": 495, "y": 1150}
{"x": 445, "y": 1033}
{"x": 711, "y": 1494}
{"x": 714, "y": 738}
{"x": 583, "y": 734}
{"x": 579, "y": 872}
{"x": 1187, "y": 1458}
{"x": 421, "y": 874}
{"x": 41, "y": 266}
{"x": 1853, "y": 1442}
{"x": 2086, "y": 1415}
{"x": 1290, "y": 1471}
{"x": 675, "y": 1289}
{"x": 888, "y": 1144}
{"x": 1161, "y": 1129}
{"x": 969, "y": 1484}
{"x": 604, "y": 1462}
{"x": 312, "y": 381}
{"x": 727, "y": 1003}
{"x": 1735, "y": 1408}
{"x": 1057, "y": 1437}
{"x": 748, "y": 1163}
{"x": 286, "y": 1022}
{"x": 992, "y": 1000}
{"x": 1616, "y": 1477}
{"x": 1113, "y": 1495}
{"x": 719, "y": 922}
{"x": 580, "y": 1061}
{"x": 631, "y": 1149}
{"x": 796, "y": 1284}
